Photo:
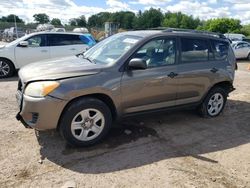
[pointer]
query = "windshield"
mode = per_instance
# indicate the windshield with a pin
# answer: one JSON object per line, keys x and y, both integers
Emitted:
{"x": 111, "y": 49}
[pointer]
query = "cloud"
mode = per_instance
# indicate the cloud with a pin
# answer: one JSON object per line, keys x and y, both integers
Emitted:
{"x": 63, "y": 9}
{"x": 199, "y": 9}
{"x": 117, "y": 4}
{"x": 150, "y": 2}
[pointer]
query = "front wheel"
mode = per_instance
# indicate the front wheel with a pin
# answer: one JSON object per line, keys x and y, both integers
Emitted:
{"x": 85, "y": 122}
{"x": 214, "y": 103}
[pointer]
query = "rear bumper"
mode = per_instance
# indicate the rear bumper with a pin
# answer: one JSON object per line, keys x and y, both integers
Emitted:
{"x": 39, "y": 113}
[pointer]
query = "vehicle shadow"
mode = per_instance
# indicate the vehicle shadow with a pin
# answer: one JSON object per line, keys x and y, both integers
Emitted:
{"x": 11, "y": 79}
{"x": 147, "y": 139}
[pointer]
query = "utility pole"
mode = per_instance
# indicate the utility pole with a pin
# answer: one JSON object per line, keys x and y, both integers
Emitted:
{"x": 15, "y": 26}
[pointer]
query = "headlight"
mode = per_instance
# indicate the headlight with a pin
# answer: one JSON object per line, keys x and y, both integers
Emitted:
{"x": 41, "y": 89}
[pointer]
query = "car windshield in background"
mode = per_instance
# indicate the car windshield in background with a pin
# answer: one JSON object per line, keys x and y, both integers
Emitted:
{"x": 111, "y": 49}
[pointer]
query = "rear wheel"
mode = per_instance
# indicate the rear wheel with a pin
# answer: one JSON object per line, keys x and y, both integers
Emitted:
{"x": 7, "y": 69}
{"x": 248, "y": 57}
{"x": 85, "y": 122}
{"x": 214, "y": 103}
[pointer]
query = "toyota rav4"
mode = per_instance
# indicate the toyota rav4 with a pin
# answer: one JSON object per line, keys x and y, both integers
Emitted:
{"x": 127, "y": 73}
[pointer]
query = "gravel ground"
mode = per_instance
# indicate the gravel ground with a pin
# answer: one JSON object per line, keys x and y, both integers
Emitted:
{"x": 174, "y": 149}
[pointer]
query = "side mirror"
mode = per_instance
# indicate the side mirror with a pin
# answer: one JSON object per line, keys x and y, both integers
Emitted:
{"x": 23, "y": 44}
{"x": 137, "y": 63}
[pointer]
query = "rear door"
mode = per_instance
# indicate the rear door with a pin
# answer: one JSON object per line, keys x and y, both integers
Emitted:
{"x": 65, "y": 45}
{"x": 199, "y": 68}
{"x": 37, "y": 50}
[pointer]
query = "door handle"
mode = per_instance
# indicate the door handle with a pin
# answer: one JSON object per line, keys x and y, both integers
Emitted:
{"x": 214, "y": 70}
{"x": 72, "y": 49}
{"x": 44, "y": 50}
{"x": 172, "y": 74}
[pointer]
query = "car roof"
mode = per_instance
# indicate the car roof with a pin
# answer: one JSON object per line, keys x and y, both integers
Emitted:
{"x": 148, "y": 33}
{"x": 54, "y": 32}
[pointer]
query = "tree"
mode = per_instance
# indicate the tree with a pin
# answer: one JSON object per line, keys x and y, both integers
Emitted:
{"x": 222, "y": 25}
{"x": 151, "y": 18}
{"x": 99, "y": 19}
{"x": 180, "y": 20}
{"x": 11, "y": 18}
{"x": 123, "y": 18}
{"x": 56, "y": 22}
{"x": 245, "y": 30}
{"x": 81, "y": 21}
{"x": 41, "y": 18}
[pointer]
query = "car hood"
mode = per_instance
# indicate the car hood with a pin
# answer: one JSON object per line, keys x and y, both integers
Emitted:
{"x": 58, "y": 69}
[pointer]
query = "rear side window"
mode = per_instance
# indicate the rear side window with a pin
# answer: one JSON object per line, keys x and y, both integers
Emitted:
{"x": 63, "y": 40}
{"x": 194, "y": 50}
{"x": 220, "y": 49}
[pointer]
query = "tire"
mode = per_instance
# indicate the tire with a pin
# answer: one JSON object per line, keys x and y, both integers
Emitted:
{"x": 248, "y": 57}
{"x": 214, "y": 103}
{"x": 7, "y": 68}
{"x": 85, "y": 122}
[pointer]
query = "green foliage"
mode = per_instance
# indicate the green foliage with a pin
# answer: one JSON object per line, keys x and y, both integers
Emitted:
{"x": 125, "y": 19}
{"x": 180, "y": 20}
{"x": 222, "y": 25}
{"x": 246, "y": 30}
{"x": 11, "y": 19}
{"x": 99, "y": 19}
{"x": 80, "y": 22}
{"x": 151, "y": 18}
{"x": 41, "y": 18}
{"x": 56, "y": 22}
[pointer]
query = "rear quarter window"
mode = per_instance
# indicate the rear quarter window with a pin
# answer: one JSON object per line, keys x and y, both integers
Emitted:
{"x": 220, "y": 49}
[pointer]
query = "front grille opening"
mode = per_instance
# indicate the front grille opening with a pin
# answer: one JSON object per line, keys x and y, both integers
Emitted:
{"x": 34, "y": 118}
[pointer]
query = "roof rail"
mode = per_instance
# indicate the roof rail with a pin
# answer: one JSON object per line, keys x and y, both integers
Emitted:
{"x": 219, "y": 35}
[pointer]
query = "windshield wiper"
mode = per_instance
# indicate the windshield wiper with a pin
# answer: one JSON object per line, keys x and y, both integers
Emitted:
{"x": 82, "y": 55}
{"x": 90, "y": 60}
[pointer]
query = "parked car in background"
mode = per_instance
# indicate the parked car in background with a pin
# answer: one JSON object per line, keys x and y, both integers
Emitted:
{"x": 241, "y": 50}
{"x": 15, "y": 33}
{"x": 40, "y": 46}
{"x": 58, "y": 30}
{"x": 5, "y": 34}
{"x": 235, "y": 36}
{"x": 81, "y": 30}
{"x": 125, "y": 74}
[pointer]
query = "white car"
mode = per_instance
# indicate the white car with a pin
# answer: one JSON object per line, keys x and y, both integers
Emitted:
{"x": 40, "y": 46}
{"x": 241, "y": 50}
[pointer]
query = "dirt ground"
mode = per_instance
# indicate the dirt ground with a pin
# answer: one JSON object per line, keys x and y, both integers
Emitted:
{"x": 174, "y": 149}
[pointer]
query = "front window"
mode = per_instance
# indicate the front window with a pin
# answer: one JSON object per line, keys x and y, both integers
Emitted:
{"x": 111, "y": 49}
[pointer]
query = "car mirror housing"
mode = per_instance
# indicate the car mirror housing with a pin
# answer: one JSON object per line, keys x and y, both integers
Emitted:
{"x": 136, "y": 63}
{"x": 23, "y": 44}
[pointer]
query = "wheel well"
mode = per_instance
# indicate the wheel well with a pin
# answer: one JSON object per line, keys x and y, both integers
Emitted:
{"x": 102, "y": 97}
{"x": 225, "y": 85}
{"x": 4, "y": 58}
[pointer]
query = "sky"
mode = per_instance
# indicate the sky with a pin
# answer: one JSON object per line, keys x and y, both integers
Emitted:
{"x": 66, "y": 9}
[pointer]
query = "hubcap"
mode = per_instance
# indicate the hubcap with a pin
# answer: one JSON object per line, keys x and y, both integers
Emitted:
{"x": 87, "y": 124}
{"x": 215, "y": 104}
{"x": 4, "y": 68}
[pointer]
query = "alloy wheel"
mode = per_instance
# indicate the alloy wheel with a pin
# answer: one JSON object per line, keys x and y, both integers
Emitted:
{"x": 87, "y": 124}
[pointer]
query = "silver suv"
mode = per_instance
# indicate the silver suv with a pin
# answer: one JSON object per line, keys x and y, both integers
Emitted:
{"x": 125, "y": 74}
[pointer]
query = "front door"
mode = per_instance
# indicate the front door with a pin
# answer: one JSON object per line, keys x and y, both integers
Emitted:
{"x": 37, "y": 50}
{"x": 154, "y": 87}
